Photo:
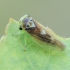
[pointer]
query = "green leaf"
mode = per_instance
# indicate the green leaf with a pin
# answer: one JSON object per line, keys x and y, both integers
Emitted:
{"x": 20, "y": 51}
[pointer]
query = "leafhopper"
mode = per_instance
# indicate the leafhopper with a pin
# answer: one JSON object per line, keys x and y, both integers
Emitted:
{"x": 40, "y": 32}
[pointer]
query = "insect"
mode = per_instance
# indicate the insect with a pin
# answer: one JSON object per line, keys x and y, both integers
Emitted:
{"x": 40, "y": 32}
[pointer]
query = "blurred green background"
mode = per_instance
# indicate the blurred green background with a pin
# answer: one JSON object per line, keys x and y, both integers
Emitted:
{"x": 52, "y": 13}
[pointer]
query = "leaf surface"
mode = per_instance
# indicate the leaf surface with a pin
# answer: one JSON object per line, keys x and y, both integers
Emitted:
{"x": 20, "y": 51}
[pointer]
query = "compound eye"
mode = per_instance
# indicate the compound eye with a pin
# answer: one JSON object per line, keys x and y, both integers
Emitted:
{"x": 20, "y": 28}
